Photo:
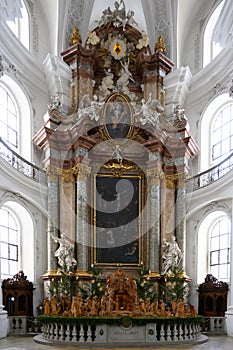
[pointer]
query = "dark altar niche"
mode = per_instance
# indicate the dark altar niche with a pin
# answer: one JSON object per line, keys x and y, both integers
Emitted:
{"x": 117, "y": 212}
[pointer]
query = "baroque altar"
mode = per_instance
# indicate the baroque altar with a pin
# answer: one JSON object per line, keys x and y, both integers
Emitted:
{"x": 117, "y": 166}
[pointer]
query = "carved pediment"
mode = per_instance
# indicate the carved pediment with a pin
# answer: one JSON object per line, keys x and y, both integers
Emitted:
{"x": 18, "y": 281}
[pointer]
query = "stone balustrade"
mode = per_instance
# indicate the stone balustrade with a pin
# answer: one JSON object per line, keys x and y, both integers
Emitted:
{"x": 160, "y": 332}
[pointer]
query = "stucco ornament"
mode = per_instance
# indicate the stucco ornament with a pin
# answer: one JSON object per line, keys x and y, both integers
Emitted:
{"x": 92, "y": 38}
{"x": 144, "y": 41}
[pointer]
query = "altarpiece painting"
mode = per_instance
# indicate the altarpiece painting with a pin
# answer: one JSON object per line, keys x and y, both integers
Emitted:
{"x": 117, "y": 224}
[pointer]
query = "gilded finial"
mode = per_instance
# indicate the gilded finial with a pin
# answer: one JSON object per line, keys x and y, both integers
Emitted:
{"x": 160, "y": 46}
{"x": 75, "y": 37}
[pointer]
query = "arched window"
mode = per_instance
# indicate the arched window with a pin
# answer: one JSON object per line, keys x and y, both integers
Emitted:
{"x": 15, "y": 117}
{"x": 216, "y": 131}
{"x": 20, "y": 26}
{"x": 219, "y": 248}
{"x": 9, "y": 250}
{"x": 214, "y": 244}
{"x": 211, "y": 48}
{"x": 16, "y": 241}
{"x": 222, "y": 133}
{"x": 8, "y": 118}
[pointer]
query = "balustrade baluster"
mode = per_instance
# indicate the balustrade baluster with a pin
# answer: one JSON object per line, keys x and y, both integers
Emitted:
{"x": 61, "y": 332}
{"x": 74, "y": 334}
{"x": 175, "y": 332}
{"x": 89, "y": 339}
{"x": 169, "y": 333}
{"x": 56, "y": 332}
{"x": 67, "y": 333}
{"x": 81, "y": 333}
{"x": 180, "y": 336}
{"x": 162, "y": 333}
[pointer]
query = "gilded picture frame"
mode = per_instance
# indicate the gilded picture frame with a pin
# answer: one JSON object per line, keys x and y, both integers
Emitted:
{"x": 117, "y": 223}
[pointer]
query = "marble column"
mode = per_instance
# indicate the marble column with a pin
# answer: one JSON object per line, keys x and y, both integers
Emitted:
{"x": 67, "y": 204}
{"x": 53, "y": 175}
{"x": 153, "y": 176}
{"x": 82, "y": 231}
{"x": 180, "y": 214}
{"x": 168, "y": 207}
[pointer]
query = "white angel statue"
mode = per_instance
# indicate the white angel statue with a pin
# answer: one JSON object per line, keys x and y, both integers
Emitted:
{"x": 149, "y": 111}
{"x": 65, "y": 251}
{"x": 89, "y": 107}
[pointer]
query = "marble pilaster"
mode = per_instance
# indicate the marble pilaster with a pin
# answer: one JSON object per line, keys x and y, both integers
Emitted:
{"x": 53, "y": 217}
{"x": 154, "y": 219}
{"x": 168, "y": 207}
{"x": 180, "y": 214}
{"x": 67, "y": 204}
{"x": 82, "y": 172}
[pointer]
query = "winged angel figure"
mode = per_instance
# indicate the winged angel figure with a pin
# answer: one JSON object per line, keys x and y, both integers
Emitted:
{"x": 89, "y": 107}
{"x": 117, "y": 16}
{"x": 149, "y": 111}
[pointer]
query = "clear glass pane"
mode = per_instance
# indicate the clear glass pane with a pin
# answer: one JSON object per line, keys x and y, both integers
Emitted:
{"x": 223, "y": 256}
{"x": 224, "y": 241}
{"x": 13, "y": 267}
{"x": 215, "y": 230}
{"x": 223, "y": 271}
{"x": 217, "y": 136}
{"x": 12, "y": 137}
{"x": 12, "y": 120}
{"x": 224, "y": 226}
{"x": 4, "y": 250}
{"x": 12, "y": 222}
{"x": 225, "y": 146}
{"x": 4, "y": 234}
{"x": 3, "y": 113}
{"x": 3, "y": 130}
{"x": 4, "y": 217}
{"x": 214, "y": 258}
{"x": 11, "y": 105}
{"x": 226, "y": 131}
{"x": 214, "y": 270}
{"x": 13, "y": 236}
{"x": 13, "y": 253}
{"x": 217, "y": 151}
{"x": 214, "y": 243}
{"x": 4, "y": 267}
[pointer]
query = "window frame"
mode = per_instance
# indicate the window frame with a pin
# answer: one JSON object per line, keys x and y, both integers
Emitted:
{"x": 8, "y": 126}
{"x": 215, "y": 222}
{"x": 18, "y": 23}
{"x": 9, "y": 244}
{"x": 207, "y": 43}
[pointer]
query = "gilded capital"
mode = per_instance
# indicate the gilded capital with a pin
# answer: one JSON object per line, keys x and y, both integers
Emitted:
{"x": 176, "y": 180}
{"x": 68, "y": 176}
{"x": 182, "y": 180}
{"x": 81, "y": 171}
{"x": 154, "y": 176}
{"x": 53, "y": 173}
{"x": 170, "y": 180}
